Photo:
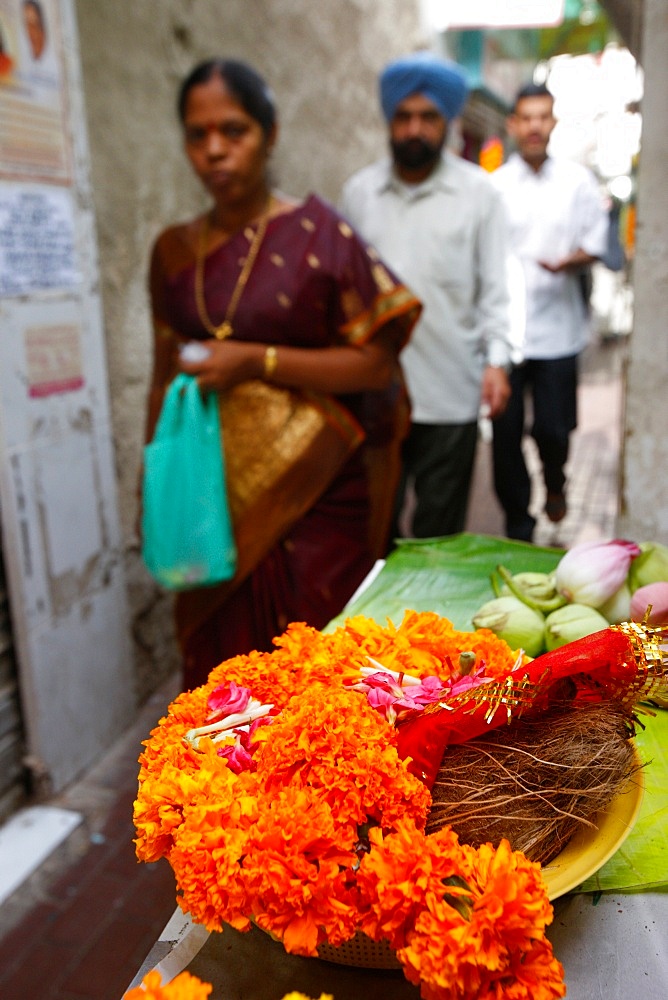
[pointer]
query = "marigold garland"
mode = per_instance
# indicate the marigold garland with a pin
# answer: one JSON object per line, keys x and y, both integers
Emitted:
{"x": 182, "y": 987}
{"x": 315, "y": 830}
{"x": 187, "y": 987}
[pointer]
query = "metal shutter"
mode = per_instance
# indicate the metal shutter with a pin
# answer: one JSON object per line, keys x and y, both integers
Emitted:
{"x": 12, "y": 770}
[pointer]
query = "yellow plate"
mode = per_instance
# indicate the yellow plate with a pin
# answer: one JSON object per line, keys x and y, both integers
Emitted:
{"x": 589, "y": 849}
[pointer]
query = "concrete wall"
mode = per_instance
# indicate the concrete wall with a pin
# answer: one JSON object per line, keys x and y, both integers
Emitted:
{"x": 321, "y": 59}
{"x": 644, "y": 496}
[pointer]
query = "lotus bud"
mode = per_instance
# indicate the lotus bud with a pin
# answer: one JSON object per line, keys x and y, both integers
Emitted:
{"x": 514, "y": 622}
{"x": 618, "y": 607}
{"x": 573, "y": 621}
{"x": 537, "y": 590}
{"x": 591, "y": 572}
{"x": 651, "y": 566}
{"x": 654, "y": 595}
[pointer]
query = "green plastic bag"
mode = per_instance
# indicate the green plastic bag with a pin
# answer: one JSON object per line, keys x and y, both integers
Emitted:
{"x": 187, "y": 538}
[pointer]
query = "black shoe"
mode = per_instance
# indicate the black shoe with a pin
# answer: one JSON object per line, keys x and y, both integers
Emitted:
{"x": 555, "y": 507}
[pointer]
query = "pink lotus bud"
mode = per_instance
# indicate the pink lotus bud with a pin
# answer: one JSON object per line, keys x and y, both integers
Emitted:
{"x": 591, "y": 572}
{"x": 656, "y": 595}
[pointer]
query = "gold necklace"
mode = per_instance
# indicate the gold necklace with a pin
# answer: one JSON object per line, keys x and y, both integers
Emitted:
{"x": 224, "y": 329}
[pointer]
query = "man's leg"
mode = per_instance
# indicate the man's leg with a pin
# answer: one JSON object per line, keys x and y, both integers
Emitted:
{"x": 512, "y": 481}
{"x": 442, "y": 463}
{"x": 555, "y": 416}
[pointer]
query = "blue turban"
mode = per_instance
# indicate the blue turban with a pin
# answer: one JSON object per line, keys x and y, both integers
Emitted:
{"x": 442, "y": 81}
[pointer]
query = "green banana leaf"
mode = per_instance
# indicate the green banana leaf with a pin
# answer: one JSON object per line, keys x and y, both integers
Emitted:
{"x": 642, "y": 860}
{"x": 452, "y": 577}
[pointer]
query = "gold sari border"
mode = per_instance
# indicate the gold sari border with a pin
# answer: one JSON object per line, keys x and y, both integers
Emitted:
{"x": 384, "y": 308}
{"x": 340, "y": 418}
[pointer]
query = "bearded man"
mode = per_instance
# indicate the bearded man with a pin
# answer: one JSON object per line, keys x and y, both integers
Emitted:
{"x": 438, "y": 222}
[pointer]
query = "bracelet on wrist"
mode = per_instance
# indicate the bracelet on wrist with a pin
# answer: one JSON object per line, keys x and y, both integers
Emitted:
{"x": 270, "y": 362}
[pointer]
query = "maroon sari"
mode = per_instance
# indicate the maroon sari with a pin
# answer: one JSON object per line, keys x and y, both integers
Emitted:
{"x": 314, "y": 284}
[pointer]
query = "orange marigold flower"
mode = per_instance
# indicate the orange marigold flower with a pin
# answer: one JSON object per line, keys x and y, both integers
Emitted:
{"x": 331, "y": 740}
{"x": 326, "y": 837}
{"x": 183, "y": 987}
{"x": 511, "y": 892}
{"x": 534, "y": 974}
{"x": 297, "y": 869}
{"x": 401, "y": 872}
{"x": 502, "y": 926}
{"x": 425, "y": 644}
{"x": 301, "y": 996}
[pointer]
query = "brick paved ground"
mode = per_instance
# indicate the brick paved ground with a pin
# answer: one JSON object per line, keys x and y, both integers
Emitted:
{"x": 84, "y": 934}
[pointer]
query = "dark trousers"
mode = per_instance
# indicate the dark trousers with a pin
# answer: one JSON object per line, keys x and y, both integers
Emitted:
{"x": 552, "y": 385}
{"x": 438, "y": 460}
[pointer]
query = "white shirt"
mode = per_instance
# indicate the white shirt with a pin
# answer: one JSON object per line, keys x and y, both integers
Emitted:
{"x": 445, "y": 238}
{"x": 551, "y": 213}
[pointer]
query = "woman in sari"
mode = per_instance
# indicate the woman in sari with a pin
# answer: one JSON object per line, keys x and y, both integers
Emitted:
{"x": 283, "y": 302}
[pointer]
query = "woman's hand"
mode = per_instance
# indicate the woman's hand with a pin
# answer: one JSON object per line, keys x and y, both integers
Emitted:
{"x": 227, "y": 362}
{"x": 339, "y": 369}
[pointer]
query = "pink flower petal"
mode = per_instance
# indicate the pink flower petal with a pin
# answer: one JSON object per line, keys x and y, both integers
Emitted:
{"x": 226, "y": 700}
{"x": 238, "y": 758}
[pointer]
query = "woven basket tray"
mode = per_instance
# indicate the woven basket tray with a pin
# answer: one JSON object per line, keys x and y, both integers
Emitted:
{"x": 360, "y": 951}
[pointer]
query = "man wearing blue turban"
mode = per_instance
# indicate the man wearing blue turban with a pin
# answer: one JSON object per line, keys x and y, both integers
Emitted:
{"x": 442, "y": 82}
{"x": 438, "y": 222}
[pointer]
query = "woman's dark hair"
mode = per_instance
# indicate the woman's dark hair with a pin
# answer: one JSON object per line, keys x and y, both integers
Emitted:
{"x": 243, "y": 83}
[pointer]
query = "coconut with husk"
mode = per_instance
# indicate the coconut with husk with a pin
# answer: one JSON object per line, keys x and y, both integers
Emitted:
{"x": 536, "y": 781}
{"x": 536, "y": 757}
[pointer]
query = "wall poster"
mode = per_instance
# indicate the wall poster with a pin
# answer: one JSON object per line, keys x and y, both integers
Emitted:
{"x": 33, "y": 135}
{"x": 37, "y": 239}
{"x": 53, "y": 359}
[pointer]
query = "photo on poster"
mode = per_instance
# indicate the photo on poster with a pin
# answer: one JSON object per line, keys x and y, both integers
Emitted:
{"x": 33, "y": 137}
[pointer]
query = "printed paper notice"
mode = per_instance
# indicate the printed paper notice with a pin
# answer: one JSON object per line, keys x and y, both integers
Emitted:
{"x": 36, "y": 240}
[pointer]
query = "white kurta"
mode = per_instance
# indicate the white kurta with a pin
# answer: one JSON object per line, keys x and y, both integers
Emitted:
{"x": 552, "y": 212}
